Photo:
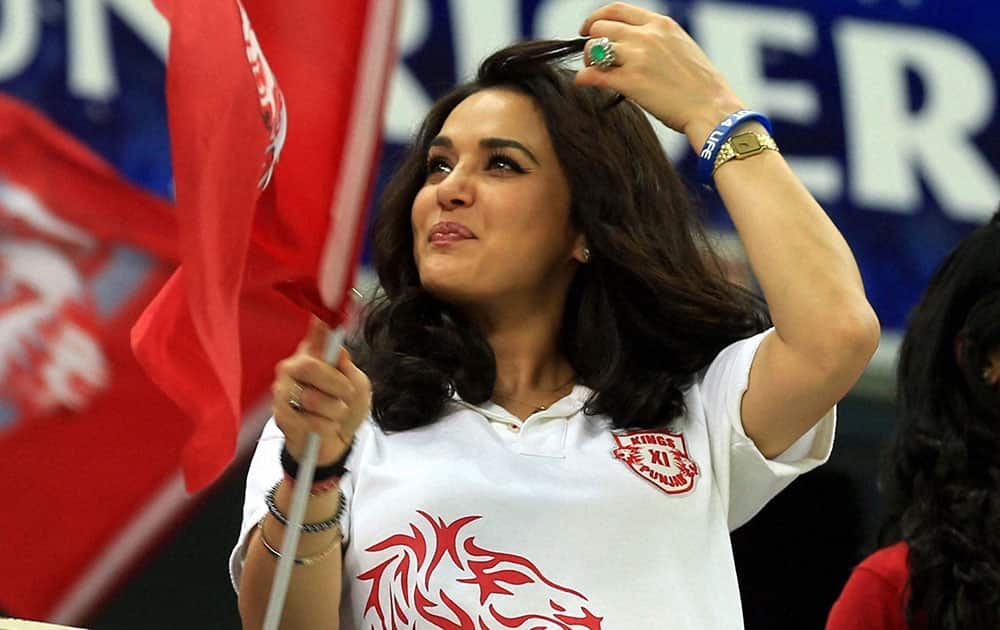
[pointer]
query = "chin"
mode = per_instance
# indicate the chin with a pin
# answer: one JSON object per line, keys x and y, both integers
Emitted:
{"x": 443, "y": 283}
{"x": 451, "y": 288}
{"x": 455, "y": 296}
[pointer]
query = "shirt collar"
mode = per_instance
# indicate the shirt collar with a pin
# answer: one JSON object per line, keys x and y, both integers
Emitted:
{"x": 566, "y": 407}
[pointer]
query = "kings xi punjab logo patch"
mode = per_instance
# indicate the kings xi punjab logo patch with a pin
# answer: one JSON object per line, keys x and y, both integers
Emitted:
{"x": 659, "y": 457}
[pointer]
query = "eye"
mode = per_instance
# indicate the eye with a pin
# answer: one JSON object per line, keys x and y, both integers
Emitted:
{"x": 436, "y": 166}
{"x": 503, "y": 162}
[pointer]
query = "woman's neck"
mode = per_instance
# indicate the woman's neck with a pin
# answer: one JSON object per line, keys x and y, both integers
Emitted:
{"x": 529, "y": 364}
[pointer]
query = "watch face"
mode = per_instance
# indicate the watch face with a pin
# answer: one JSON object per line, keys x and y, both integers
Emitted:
{"x": 745, "y": 143}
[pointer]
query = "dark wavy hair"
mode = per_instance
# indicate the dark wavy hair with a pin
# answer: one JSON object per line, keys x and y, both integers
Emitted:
{"x": 941, "y": 473}
{"x": 649, "y": 310}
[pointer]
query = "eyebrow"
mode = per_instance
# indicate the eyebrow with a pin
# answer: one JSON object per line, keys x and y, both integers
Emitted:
{"x": 489, "y": 143}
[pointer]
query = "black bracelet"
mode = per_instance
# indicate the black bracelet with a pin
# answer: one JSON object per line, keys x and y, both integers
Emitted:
{"x": 336, "y": 469}
{"x": 307, "y": 528}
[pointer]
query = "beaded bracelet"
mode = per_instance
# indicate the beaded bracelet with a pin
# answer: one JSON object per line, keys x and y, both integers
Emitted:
{"x": 306, "y": 528}
{"x": 307, "y": 560}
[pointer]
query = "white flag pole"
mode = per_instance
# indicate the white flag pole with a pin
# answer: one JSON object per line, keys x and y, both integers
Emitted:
{"x": 300, "y": 495}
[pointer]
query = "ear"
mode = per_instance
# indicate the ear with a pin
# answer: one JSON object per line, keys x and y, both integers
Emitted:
{"x": 581, "y": 253}
{"x": 991, "y": 373}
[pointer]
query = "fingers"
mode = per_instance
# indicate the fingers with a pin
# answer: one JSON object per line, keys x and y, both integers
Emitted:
{"x": 620, "y": 52}
{"x": 618, "y": 12}
{"x": 315, "y": 340}
{"x": 353, "y": 373}
{"x": 307, "y": 400}
{"x": 300, "y": 408}
{"x": 312, "y": 396}
{"x": 593, "y": 77}
{"x": 313, "y": 373}
{"x": 618, "y": 77}
{"x": 615, "y": 31}
{"x": 308, "y": 386}
{"x": 360, "y": 383}
{"x": 294, "y": 407}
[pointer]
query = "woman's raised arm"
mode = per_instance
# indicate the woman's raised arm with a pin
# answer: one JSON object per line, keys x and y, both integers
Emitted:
{"x": 825, "y": 329}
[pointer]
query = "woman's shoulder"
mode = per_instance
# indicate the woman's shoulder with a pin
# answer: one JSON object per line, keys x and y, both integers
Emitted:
{"x": 874, "y": 596}
{"x": 889, "y": 563}
{"x": 734, "y": 358}
{"x": 726, "y": 377}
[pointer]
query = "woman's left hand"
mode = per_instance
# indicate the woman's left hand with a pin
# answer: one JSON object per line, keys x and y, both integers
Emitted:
{"x": 661, "y": 68}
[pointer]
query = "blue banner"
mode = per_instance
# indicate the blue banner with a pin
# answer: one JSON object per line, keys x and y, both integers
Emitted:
{"x": 885, "y": 108}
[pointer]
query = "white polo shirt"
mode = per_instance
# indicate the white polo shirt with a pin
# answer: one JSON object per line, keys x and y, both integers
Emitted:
{"x": 480, "y": 520}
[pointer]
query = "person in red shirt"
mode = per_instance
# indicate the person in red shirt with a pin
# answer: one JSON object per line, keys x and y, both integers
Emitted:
{"x": 939, "y": 568}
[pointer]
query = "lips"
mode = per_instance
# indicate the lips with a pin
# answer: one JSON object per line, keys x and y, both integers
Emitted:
{"x": 449, "y": 231}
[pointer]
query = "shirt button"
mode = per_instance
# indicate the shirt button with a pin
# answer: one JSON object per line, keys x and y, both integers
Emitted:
{"x": 514, "y": 428}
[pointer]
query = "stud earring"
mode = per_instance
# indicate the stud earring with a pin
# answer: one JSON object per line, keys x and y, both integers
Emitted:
{"x": 586, "y": 254}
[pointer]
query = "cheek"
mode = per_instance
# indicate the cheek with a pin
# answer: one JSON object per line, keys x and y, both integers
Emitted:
{"x": 423, "y": 205}
{"x": 537, "y": 221}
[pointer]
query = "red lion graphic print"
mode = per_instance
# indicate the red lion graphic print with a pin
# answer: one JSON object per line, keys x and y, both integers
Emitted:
{"x": 436, "y": 576}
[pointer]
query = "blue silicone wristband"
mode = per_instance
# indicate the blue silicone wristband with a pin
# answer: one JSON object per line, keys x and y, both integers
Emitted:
{"x": 706, "y": 159}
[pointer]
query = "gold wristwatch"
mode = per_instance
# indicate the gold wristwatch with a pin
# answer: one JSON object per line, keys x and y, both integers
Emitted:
{"x": 742, "y": 146}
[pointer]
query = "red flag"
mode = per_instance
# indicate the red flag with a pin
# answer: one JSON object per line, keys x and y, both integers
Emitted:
{"x": 224, "y": 141}
{"x": 59, "y": 207}
{"x": 107, "y": 471}
{"x": 87, "y": 191}
{"x": 79, "y": 250}
{"x": 89, "y": 447}
{"x": 227, "y": 125}
{"x": 329, "y": 169}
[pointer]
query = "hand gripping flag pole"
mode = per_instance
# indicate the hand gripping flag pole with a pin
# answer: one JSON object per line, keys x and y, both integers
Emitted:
{"x": 300, "y": 496}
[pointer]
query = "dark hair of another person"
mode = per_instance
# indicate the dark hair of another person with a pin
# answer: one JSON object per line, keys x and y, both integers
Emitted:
{"x": 649, "y": 310}
{"x": 941, "y": 474}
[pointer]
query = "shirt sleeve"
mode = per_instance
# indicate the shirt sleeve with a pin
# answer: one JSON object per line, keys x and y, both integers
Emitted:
{"x": 265, "y": 471}
{"x": 868, "y": 602}
{"x": 746, "y": 478}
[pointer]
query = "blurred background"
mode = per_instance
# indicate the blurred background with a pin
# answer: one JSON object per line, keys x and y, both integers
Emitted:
{"x": 885, "y": 108}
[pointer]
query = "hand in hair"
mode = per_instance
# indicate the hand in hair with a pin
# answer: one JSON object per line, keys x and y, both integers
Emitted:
{"x": 661, "y": 68}
{"x": 333, "y": 399}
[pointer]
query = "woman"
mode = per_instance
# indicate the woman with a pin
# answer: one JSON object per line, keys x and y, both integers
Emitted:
{"x": 565, "y": 421}
{"x": 940, "y": 565}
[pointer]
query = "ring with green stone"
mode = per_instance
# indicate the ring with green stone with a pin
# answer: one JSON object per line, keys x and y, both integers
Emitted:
{"x": 601, "y": 53}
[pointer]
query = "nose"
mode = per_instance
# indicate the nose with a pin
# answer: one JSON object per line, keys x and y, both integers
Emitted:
{"x": 455, "y": 191}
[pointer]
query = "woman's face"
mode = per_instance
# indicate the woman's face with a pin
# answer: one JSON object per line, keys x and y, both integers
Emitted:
{"x": 492, "y": 219}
